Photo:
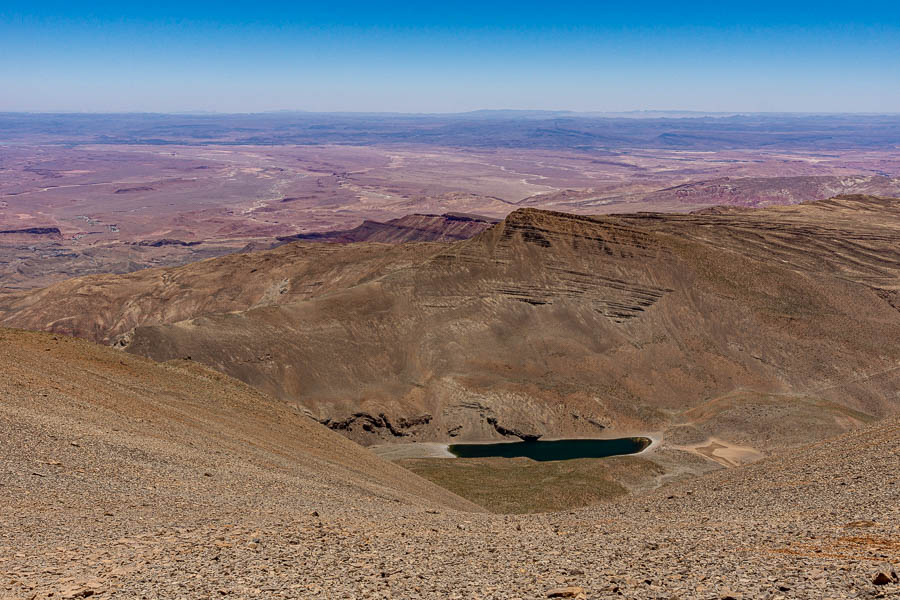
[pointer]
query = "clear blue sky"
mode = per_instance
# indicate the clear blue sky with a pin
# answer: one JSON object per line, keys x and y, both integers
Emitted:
{"x": 823, "y": 56}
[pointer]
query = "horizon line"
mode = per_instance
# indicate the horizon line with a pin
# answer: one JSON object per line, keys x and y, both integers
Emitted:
{"x": 482, "y": 111}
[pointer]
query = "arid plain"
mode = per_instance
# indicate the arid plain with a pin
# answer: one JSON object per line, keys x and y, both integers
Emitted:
{"x": 71, "y": 206}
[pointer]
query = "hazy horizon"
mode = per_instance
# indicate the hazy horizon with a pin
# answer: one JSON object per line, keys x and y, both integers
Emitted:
{"x": 637, "y": 112}
{"x": 192, "y": 57}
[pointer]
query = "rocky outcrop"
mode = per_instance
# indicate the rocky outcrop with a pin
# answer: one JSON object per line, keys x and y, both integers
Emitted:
{"x": 411, "y": 228}
{"x": 30, "y": 234}
{"x": 507, "y": 431}
{"x": 131, "y": 190}
{"x": 32, "y": 231}
{"x": 371, "y": 424}
{"x": 167, "y": 242}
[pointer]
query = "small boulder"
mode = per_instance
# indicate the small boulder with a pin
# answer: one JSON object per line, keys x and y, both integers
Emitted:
{"x": 572, "y": 591}
{"x": 76, "y": 591}
{"x": 884, "y": 575}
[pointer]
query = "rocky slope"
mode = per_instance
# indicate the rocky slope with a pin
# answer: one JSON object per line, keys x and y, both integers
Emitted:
{"x": 410, "y": 228}
{"x": 127, "y": 479}
{"x": 705, "y": 325}
{"x": 102, "y": 307}
{"x": 76, "y": 413}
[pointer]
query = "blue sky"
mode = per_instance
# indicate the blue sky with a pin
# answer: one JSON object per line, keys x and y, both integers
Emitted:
{"x": 446, "y": 57}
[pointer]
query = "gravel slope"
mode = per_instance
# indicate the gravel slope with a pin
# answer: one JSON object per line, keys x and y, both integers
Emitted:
{"x": 123, "y": 478}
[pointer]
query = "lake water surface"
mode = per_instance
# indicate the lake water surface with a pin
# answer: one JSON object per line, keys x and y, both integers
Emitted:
{"x": 552, "y": 449}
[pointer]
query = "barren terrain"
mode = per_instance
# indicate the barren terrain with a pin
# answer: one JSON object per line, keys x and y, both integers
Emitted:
{"x": 125, "y": 478}
{"x": 260, "y": 297}
{"x": 82, "y": 194}
{"x": 732, "y": 332}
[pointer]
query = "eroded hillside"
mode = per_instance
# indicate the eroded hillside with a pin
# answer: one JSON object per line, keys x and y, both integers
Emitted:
{"x": 122, "y": 478}
{"x": 112, "y": 431}
{"x": 551, "y": 324}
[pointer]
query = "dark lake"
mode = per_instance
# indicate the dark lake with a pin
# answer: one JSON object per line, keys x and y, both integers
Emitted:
{"x": 552, "y": 449}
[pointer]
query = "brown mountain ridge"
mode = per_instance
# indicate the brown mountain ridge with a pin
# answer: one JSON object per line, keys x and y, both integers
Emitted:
{"x": 410, "y": 228}
{"x": 766, "y": 326}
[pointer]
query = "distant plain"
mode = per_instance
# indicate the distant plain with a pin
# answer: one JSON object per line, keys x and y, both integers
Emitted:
{"x": 134, "y": 191}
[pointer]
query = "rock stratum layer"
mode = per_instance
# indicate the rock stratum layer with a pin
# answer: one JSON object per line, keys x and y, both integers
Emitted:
{"x": 411, "y": 228}
{"x": 769, "y": 326}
